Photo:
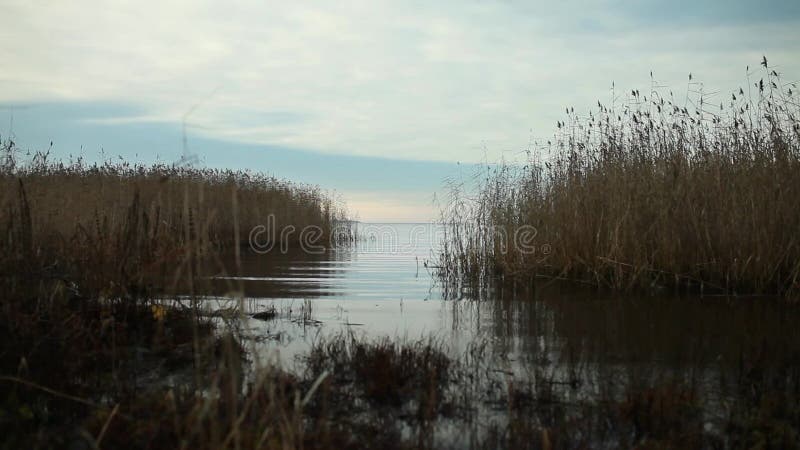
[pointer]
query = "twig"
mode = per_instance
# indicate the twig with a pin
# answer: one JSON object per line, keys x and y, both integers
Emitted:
{"x": 105, "y": 425}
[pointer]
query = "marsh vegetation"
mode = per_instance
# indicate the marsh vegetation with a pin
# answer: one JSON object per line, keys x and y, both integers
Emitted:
{"x": 657, "y": 190}
{"x": 92, "y": 261}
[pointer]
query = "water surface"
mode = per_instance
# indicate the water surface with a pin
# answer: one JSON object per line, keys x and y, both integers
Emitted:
{"x": 384, "y": 285}
{"x": 589, "y": 345}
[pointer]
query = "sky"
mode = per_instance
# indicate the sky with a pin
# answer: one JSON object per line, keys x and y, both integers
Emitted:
{"x": 377, "y": 102}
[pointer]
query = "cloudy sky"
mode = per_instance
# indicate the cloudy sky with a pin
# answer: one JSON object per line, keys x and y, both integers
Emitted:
{"x": 376, "y": 100}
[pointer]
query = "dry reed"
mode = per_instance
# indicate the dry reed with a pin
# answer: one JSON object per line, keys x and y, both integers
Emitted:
{"x": 657, "y": 192}
{"x": 90, "y": 256}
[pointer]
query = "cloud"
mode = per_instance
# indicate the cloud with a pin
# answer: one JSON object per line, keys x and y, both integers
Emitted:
{"x": 457, "y": 81}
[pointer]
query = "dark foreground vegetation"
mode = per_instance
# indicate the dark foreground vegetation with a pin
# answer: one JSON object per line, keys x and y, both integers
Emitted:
{"x": 98, "y": 269}
{"x": 688, "y": 193}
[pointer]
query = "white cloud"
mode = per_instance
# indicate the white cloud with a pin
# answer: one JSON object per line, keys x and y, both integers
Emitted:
{"x": 444, "y": 82}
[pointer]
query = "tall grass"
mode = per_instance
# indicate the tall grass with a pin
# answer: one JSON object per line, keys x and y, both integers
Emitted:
{"x": 89, "y": 257}
{"x": 76, "y": 193}
{"x": 658, "y": 191}
{"x": 114, "y": 216}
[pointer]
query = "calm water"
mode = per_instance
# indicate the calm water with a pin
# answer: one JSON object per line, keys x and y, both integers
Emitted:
{"x": 382, "y": 287}
{"x": 590, "y": 345}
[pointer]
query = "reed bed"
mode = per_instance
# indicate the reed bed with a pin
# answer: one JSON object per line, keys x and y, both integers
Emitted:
{"x": 697, "y": 192}
{"x": 214, "y": 202}
{"x": 146, "y": 219}
{"x": 96, "y": 265}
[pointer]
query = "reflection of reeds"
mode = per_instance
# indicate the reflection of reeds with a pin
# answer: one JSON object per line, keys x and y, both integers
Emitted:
{"x": 418, "y": 387}
{"x": 658, "y": 191}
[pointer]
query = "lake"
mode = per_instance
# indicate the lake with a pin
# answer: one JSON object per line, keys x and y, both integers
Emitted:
{"x": 586, "y": 346}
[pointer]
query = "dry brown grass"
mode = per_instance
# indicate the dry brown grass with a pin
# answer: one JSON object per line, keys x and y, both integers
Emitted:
{"x": 656, "y": 192}
{"x": 134, "y": 223}
{"x": 89, "y": 258}
{"x": 213, "y": 202}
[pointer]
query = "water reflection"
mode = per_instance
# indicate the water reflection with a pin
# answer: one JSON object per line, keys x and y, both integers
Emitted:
{"x": 383, "y": 285}
{"x": 589, "y": 345}
{"x": 560, "y": 354}
{"x": 387, "y": 264}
